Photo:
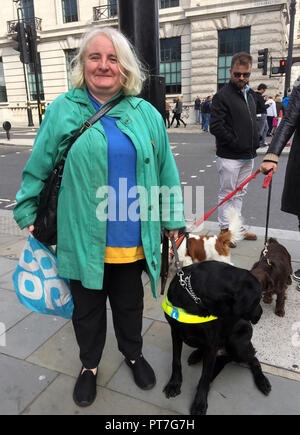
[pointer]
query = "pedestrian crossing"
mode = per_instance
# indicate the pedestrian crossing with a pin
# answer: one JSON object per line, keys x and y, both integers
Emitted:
{"x": 7, "y": 204}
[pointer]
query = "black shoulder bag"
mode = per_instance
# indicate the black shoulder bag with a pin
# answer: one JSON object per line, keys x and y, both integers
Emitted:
{"x": 45, "y": 225}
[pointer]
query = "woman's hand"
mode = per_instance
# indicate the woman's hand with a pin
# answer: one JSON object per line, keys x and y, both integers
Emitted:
{"x": 31, "y": 228}
{"x": 172, "y": 233}
{"x": 267, "y": 166}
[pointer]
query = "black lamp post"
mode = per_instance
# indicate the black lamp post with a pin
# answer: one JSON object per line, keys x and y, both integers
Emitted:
{"x": 290, "y": 51}
{"x": 138, "y": 20}
{"x": 28, "y": 107}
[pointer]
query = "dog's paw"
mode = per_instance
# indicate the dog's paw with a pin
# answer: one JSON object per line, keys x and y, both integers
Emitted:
{"x": 198, "y": 408}
{"x": 195, "y": 357}
{"x": 280, "y": 313}
{"x": 172, "y": 389}
{"x": 263, "y": 384}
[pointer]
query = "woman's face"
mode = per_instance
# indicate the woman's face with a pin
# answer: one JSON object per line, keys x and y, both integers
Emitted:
{"x": 101, "y": 69}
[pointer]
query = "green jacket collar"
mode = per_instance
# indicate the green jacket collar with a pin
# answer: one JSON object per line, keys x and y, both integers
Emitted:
{"x": 80, "y": 95}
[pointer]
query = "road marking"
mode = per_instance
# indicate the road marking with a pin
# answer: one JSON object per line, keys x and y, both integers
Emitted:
{"x": 11, "y": 205}
{"x": 202, "y": 170}
{"x": 208, "y": 166}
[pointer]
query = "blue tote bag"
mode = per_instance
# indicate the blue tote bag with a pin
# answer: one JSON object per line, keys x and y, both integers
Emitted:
{"x": 37, "y": 283}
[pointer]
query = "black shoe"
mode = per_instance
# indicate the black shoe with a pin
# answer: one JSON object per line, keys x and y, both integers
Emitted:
{"x": 296, "y": 275}
{"x": 85, "y": 388}
{"x": 143, "y": 373}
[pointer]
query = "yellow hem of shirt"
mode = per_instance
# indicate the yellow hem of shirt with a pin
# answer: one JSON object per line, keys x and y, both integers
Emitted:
{"x": 116, "y": 255}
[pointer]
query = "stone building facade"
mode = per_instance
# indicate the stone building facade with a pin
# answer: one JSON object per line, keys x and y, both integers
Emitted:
{"x": 198, "y": 39}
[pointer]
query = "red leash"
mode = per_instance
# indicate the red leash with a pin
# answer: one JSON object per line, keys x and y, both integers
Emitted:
{"x": 266, "y": 183}
{"x": 203, "y": 218}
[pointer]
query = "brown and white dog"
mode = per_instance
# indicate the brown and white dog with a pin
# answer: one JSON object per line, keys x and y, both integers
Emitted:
{"x": 202, "y": 248}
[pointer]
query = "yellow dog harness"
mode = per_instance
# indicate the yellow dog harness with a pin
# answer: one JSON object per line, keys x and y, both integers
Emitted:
{"x": 181, "y": 315}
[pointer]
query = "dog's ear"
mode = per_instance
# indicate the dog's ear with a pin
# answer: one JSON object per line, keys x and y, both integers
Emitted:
{"x": 247, "y": 299}
{"x": 269, "y": 283}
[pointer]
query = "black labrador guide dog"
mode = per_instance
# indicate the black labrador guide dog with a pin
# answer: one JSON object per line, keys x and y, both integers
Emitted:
{"x": 233, "y": 296}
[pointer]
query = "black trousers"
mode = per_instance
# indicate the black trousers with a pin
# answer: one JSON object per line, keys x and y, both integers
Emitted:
{"x": 123, "y": 286}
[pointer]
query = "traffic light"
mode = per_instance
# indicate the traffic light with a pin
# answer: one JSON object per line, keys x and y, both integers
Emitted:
{"x": 263, "y": 60}
{"x": 22, "y": 39}
{"x": 282, "y": 66}
{"x": 281, "y": 69}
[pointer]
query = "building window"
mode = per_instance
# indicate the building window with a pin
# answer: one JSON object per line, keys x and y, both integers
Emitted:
{"x": 230, "y": 42}
{"x": 70, "y": 54}
{"x": 69, "y": 8}
{"x": 3, "y": 94}
{"x": 112, "y": 8}
{"x": 27, "y": 9}
{"x": 170, "y": 66}
{"x": 31, "y": 80}
{"x": 168, "y": 4}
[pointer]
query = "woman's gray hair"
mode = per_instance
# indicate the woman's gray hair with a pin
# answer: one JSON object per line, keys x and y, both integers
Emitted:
{"x": 133, "y": 73}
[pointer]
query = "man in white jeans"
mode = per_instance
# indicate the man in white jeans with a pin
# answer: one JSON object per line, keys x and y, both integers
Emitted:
{"x": 232, "y": 173}
{"x": 233, "y": 123}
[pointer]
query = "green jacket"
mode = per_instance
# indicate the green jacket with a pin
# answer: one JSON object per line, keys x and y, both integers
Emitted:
{"x": 81, "y": 235}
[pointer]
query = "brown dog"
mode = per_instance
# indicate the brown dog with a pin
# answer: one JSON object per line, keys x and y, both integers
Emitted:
{"x": 273, "y": 271}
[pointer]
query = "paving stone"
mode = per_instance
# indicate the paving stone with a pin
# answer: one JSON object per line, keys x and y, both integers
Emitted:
{"x": 30, "y": 333}
{"x": 7, "y": 265}
{"x": 20, "y": 384}
{"x": 107, "y": 402}
{"x": 233, "y": 391}
{"x": 11, "y": 311}
{"x": 61, "y": 352}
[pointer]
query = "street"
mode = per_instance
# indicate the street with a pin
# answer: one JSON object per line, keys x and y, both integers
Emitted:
{"x": 195, "y": 157}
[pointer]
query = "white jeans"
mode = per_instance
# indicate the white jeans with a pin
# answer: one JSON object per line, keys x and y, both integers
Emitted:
{"x": 232, "y": 173}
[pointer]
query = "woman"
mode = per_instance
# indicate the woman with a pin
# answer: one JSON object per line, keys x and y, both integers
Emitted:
{"x": 167, "y": 113}
{"x": 178, "y": 112}
{"x": 290, "y": 202}
{"x": 109, "y": 219}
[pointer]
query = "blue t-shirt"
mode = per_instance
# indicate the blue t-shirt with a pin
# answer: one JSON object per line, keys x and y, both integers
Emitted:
{"x": 123, "y": 229}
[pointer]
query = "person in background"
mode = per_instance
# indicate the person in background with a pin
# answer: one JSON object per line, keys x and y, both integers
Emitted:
{"x": 290, "y": 201}
{"x": 167, "y": 113}
{"x": 174, "y": 110}
{"x": 233, "y": 123}
{"x": 261, "y": 113}
{"x": 286, "y": 100}
{"x": 206, "y": 110}
{"x": 280, "y": 108}
{"x": 271, "y": 114}
{"x": 197, "y": 108}
{"x": 178, "y": 112}
{"x": 107, "y": 232}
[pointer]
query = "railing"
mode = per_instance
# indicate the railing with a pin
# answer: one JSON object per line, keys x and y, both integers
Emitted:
{"x": 35, "y": 23}
{"x": 104, "y": 12}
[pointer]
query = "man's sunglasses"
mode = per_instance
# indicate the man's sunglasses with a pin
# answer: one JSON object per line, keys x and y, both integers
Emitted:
{"x": 237, "y": 75}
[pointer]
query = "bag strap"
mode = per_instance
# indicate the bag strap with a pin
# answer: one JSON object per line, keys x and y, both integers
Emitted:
{"x": 87, "y": 124}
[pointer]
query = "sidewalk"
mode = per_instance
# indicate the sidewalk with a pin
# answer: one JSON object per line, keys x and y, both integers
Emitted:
{"x": 39, "y": 356}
